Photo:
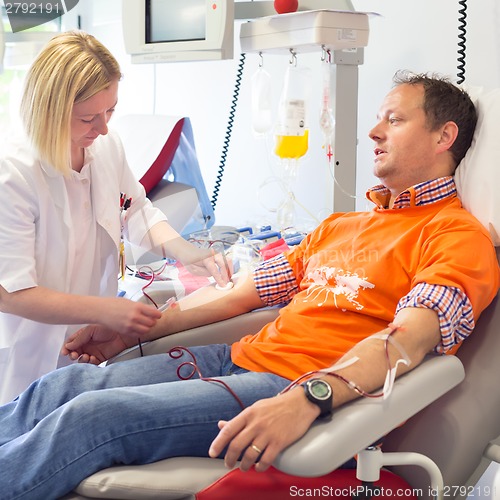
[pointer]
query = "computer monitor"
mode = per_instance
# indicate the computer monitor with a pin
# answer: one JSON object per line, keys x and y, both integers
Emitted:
{"x": 178, "y": 30}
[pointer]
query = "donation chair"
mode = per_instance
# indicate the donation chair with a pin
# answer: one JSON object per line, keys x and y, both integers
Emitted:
{"x": 450, "y": 404}
{"x": 454, "y": 432}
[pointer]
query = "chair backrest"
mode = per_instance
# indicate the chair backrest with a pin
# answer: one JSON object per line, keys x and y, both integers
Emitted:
{"x": 158, "y": 147}
{"x": 455, "y": 430}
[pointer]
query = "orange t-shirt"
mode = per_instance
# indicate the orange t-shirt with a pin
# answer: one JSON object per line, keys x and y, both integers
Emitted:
{"x": 352, "y": 271}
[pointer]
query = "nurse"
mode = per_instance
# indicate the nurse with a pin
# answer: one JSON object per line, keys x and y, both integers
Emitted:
{"x": 60, "y": 218}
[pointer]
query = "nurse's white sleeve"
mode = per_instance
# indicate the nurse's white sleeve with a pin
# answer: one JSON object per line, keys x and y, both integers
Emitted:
{"x": 18, "y": 214}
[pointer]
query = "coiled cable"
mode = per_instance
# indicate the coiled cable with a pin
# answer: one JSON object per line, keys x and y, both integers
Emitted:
{"x": 462, "y": 19}
{"x": 229, "y": 130}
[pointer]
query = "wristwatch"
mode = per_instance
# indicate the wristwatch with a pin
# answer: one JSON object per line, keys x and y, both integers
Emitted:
{"x": 320, "y": 393}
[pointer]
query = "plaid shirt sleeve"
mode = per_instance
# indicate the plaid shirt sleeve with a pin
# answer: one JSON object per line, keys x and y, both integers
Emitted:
{"x": 456, "y": 318}
{"x": 275, "y": 281}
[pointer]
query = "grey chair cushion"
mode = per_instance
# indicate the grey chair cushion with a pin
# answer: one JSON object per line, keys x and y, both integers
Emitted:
{"x": 455, "y": 430}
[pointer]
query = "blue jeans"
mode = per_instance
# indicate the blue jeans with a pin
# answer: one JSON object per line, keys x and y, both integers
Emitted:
{"x": 83, "y": 418}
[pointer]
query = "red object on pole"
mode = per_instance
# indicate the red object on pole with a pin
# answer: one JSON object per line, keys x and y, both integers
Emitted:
{"x": 284, "y": 6}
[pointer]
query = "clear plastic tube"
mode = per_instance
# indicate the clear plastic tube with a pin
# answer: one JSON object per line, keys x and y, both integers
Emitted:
{"x": 261, "y": 101}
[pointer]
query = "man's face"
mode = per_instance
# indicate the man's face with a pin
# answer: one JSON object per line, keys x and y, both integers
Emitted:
{"x": 405, "y": 147}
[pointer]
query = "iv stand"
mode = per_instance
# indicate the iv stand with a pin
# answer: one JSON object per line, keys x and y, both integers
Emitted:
{"x": 347, "y": 60}
{"x": 346, "y": 136}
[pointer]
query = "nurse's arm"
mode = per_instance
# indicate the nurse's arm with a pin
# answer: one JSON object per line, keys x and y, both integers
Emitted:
{"x": 163, "y": 240}
{"x": 206, "y": 305}
{"x": 48, "y": 306}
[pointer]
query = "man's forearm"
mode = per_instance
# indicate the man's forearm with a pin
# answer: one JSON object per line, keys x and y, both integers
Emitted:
{"x": 417, "y": 334}
{"x": 208, "y": 305}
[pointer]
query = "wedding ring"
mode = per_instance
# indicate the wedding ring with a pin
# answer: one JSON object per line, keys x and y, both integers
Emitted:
{"x": 256, "y": 448}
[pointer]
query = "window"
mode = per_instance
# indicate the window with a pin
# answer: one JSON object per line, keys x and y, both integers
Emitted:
{"x": 20, "y": 49}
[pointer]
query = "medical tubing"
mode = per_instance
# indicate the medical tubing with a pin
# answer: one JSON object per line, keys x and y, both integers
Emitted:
{"x": 462, "y": 40}
{"x": 352, "y": 385}
{"x": 178, "y": 351}
{"x": 229, "y": 130}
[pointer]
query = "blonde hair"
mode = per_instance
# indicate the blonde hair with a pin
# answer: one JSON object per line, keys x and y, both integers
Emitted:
{"x": 71, "y": 68}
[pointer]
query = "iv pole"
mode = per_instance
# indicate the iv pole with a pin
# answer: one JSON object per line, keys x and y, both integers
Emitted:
{"x": 346, "y": 136}
{"x": 346, "y": 98}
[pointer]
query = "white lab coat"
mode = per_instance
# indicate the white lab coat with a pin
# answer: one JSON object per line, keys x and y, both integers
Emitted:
{"x": 37, "y": 246}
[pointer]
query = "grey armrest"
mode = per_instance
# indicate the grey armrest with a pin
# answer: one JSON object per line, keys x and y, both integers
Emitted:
{"x": 330, "y": 443}
{"x": 353, "y": 427}
{"x": 326, "y": 446}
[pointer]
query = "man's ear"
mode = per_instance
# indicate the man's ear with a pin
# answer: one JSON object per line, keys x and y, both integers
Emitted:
{"x": 447, "y": 136}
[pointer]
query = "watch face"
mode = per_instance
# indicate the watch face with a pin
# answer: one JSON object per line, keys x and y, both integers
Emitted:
{"x": 320, "y": 389}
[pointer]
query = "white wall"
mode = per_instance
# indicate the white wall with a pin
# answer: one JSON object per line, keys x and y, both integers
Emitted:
{"x": 420, "y": 35}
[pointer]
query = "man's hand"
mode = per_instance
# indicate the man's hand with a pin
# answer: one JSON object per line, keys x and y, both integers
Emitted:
{"x": 259, "y": 433}
{"x": 95, "y": 344}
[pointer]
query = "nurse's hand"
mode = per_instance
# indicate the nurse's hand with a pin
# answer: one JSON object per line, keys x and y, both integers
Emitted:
{"x": 125, "y": 316}
{"x": 207, "y": 262}
{"x": 100, "y": 340}
{"x": 95, "y": 344}
{"x": 163, "y": 240}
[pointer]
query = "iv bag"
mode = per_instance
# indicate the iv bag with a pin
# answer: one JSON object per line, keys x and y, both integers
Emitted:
{"x": 261, "y": 101}
{"x": 292, "y": 133}
{"x": 326, "y": 117}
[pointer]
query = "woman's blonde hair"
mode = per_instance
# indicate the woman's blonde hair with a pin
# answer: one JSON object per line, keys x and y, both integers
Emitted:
{"x": 71, "y": 68}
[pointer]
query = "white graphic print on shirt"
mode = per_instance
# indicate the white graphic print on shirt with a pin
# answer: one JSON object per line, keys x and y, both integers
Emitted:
{"x": 345, "y": 283}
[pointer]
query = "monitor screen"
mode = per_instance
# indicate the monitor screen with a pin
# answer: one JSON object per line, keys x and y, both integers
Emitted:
{"x": 178, "y": 30}
{"x": 175, "y": 20}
